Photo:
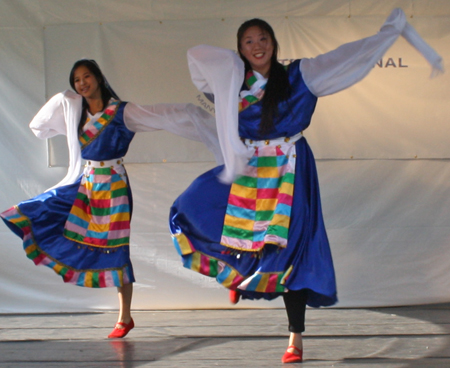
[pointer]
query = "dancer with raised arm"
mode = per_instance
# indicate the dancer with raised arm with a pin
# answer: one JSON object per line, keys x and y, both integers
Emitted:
{"x": 256, "y": 223}
{"x": 81, "y": 227}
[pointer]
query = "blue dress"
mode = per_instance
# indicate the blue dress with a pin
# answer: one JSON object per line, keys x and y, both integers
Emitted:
{"x": 197, "y": 218}
{"x": 43, "y": 222}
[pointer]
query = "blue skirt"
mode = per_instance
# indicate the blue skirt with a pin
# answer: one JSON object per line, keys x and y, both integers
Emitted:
{"x": 196, "y": 223}
{"x": 40, "y": 222}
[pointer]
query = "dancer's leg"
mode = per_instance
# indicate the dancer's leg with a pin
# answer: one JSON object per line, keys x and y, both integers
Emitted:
{"x": 124, "y": 323}
{"x": 125, "y": 294}
{"x": 295, "y": 302}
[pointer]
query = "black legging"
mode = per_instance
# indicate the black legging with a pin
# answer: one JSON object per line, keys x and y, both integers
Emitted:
{"x": 295, "y": 302}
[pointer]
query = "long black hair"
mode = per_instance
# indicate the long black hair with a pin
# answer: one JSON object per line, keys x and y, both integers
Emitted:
{"x": 278, "y": 87}
{"x": 106, "y": 91}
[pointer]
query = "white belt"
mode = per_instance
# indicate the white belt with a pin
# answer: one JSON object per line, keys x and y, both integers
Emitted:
{"x": 273, "y": 142}
{"x": 107, "y": 163}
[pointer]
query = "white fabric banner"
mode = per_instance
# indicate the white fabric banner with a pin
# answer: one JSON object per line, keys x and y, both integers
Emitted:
{"x": 382, "y": 145}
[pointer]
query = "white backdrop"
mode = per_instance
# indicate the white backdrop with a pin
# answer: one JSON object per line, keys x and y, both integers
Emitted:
{"x": 381, "y": 146}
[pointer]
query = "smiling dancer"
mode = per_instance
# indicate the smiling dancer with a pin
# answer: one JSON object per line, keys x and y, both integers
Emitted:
{"x": 81, "y": 227}
{"x": 263, "y": 236}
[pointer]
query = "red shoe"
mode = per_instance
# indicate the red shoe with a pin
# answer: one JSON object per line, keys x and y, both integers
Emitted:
{"x": 234, "y": 296}
{"x": 121, "y": 332}
{"x": 296, "y": 356}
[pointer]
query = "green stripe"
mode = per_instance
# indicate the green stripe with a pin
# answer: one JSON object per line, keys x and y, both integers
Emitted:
{"x": 280, "y": 231}
{"x": 74, "y": 236}
{"x": 288, "y": 178}
{"x": 251, "y": 80}
{"x": 95, "y": 279}
{"x": 100, "y": 211}
{"x": 213, "y": 267}
{"x": 119, "y": 193}
{"x": 83, "y": 197}
{"x": 279, "y": 288}
{"x": 235, "y": 232}
{"x": 119, "y": 241}
{"x": 269, "y": 161}
{"x": 22, "y": 224}
{"x": 85, "y": 137}
{"x": 102, "y": 171}
{"x": 33, "y": 254}
{"x": 263, "y": 215}
{"x": 247, "y": 181}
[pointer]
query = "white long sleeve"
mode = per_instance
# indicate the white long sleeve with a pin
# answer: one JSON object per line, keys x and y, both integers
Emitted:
{"x": 186, "y": 120}
{"x": 348, "y": 64}
{"x": 61, "y": 115}
{"x": 221, "y": 72}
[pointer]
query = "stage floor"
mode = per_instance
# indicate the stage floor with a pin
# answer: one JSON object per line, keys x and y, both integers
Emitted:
{"x": 404, "y": 337}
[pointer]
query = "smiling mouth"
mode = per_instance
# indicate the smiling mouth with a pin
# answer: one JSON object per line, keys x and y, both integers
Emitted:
{"x": 259, "y": 55}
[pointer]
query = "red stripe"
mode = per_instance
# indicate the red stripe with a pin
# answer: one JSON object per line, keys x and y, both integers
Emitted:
{"x": 37, "y": 260}
{"x": 101, "y": 279}
{"x": 204, "y": 265}
{"x": 101, "y": 203}
{"x": 119, "y": 225}
{"x": 80, "y": 204}
{"x": 272, "y": 284}
{"x": 285, "y": 199}
{"x": 248, "y": 203}
{"x": 96, "y": 241}
{"x": 68, "y": 276}
{"x": 89, "y": 133}
{"x": 267, "y": 193}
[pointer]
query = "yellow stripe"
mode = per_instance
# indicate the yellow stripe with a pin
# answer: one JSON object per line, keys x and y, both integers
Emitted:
{"x": 100, "y": 228}
{"x": 268, "y": 172}
{"x": 280, "y": 220}
{"x": 183, "y": 243}
{"x": 286, "y": 188}
{"x": 100, "y": 194}
{"x": 195, "y": 265}
{"x": 16, "y": 220}
{"x": 267, "y": 204}
{"x": 238, "y": 222}
{"x": 121, "y": 216}
{"x": 88, "y": 279}
{"x": 30, "y": 249}
{"x": 262, "y": 285}
{"x": 57, "y": 268}
{"x": 77, "y": 211}
{"x": 118, "y": 185}
{"x": 120, "y": 273}
{"x": 286, "y": 275}
{"x": 229, "y": 280}
{"x": 244, "y": 192}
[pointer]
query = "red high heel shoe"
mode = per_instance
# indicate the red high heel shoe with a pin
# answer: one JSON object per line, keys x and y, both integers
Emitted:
{"x": 296, "y": 356}
{"x": 234, "y": 296}
{"x": 121, "y": 332}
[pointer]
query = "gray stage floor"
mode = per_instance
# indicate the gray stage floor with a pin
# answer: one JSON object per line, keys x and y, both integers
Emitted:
{"x": 382, "y": 337}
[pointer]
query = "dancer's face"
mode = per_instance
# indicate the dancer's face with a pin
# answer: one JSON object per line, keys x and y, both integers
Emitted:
{"x": 256, "y": 46}
{"x": 86, "y": 84}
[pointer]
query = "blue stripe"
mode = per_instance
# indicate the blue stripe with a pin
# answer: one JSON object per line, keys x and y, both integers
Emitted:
{"x": 122, "y": 208}
{"x": 97, "y": 235}
{"x": 80, "y": 281}
{"x": 187, "y": 261}
{"x": 221, "y": 277}
{"x": 283, "y": 209}
{"x": 77, "y": 221}
{"x": 115, "y": 277}
{"x": 253, "y": 284}
{"x": 240, "y": 212}
{"x": 177, "y": 246}
{"x": 268, "y": 183}
{"x": 96, "y": 187}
